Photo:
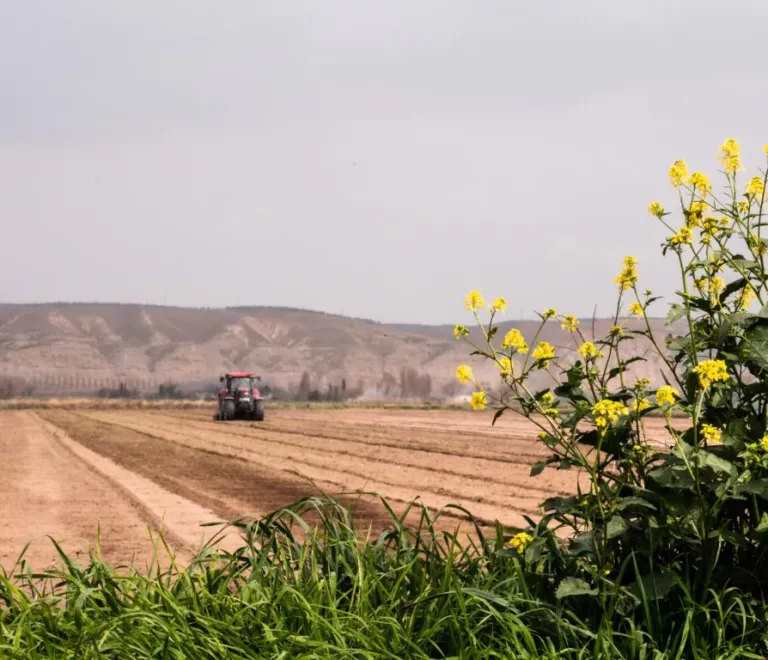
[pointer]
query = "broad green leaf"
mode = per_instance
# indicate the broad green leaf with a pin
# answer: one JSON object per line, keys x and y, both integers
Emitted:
{"x": 744, "y": 264}
{"x": 719, "y": 464}
{"x": 616, "y": 527}
{"x": 763, "y": 526}
{"x": 757, "y": 487}
{"x": 654, "y": 585}
{"x": 560, "y": 504}
{"x": 676, "y": 312}
{"x": 574, "y": 587}
{"x": 582, "y": 543}
{"x": 755, "y": 345}
{"x": 629, "y": 502}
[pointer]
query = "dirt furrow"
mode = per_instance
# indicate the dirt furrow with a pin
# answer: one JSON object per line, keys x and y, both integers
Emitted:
{"x": 352, "y": 472}
{"x": 228, "y": 485}
{"x": 488, "y": 470}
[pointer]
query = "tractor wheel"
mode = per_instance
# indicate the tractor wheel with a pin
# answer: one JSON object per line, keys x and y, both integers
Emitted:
{"x": 258, "y": 411}
{"x": 228, "y": 410}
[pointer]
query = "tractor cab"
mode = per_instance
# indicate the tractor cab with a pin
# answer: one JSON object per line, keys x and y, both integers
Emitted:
{"x": 241, "y": 384}
{"x": 240, "y": 397}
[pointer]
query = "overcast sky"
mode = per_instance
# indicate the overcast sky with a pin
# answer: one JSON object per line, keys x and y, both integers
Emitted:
{"x": 376, "y": 159}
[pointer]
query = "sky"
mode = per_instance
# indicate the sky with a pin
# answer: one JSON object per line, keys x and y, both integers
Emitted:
{"x": 374, "y": 159}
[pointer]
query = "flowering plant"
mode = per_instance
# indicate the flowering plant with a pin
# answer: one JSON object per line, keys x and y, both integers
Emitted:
{"x": 647, "y": 520}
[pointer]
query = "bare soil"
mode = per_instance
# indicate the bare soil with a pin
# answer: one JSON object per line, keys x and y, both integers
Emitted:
{"x": 244, "y": 468}
{"x": 237, "y": 470}
{"x": 46, "y": 490}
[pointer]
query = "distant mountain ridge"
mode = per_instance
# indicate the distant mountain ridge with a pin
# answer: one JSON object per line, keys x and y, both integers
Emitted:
{"x": 82, "y": 347}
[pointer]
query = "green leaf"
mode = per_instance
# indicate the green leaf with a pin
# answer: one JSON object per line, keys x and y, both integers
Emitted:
{"x": 755, "y": 345}
{"x": 498, "y": 414}
{"x": 560, "y": 504}
{"x": 582, "y": 543}
{"x": 763, "y": 526}
{"x": 654, "y": 585}
{"x": 676, "y": 312}
{"x": 757, "y": 487}
{"x": 616, "y": 527}
{"x": 574, "y": 587}
{"x": 537, "y": 468}
{"x": 630, "y": 502}
{"x": 744, "y": 264}
{"x": 717, "y": 464}
{"x": 489, "y": 597}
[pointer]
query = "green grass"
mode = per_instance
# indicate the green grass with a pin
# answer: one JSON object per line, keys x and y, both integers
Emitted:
{"x": 292, "y": 591}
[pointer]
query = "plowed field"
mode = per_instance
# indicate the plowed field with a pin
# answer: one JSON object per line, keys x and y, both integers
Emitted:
{"x": 238, "y": 469}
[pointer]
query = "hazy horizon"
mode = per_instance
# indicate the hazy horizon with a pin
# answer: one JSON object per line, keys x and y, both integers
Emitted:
{"x": 373, "y": 161}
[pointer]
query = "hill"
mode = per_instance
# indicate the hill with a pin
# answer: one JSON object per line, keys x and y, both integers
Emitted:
{"x": 82, "y": 347}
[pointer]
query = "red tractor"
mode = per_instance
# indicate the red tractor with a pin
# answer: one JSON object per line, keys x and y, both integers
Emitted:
{"x": 240, "y": 399}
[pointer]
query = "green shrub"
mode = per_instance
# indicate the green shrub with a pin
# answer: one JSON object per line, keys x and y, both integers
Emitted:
{"x": 661, "y": 539}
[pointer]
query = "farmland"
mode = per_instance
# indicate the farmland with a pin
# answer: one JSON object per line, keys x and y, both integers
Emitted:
{"x": 125, "y": 470}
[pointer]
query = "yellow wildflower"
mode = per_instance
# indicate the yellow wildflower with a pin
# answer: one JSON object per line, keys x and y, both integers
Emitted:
{"x": 478, "y": 401}
{"x": 551, "y": 412}
{"x": 700, "y": 182}
{"x": 711, "y": 371}
{"x": 588, "y": 350}
{"x": 694, "y": 214}
{"x": 743, "y": 207}
{"x": 627, "y": 278}
{"x": 635, "y": 309}
{"x": 666, "y": 395}
{"x": 616, "y": 331}
{"x": 642, "y": 383}
{"x": 569, "y": 323}
{"x": 638, "y": 405}
{"x": 764, "y": 443}
{"x": 607, "y": 411}
{"x": 730, "y": 156}
{"x": 549, "y": 313}
{"x": 520, "y": 542}
{"x": 464, "y": 373}
{"x": 499, "y": 305}
{"x": 747, "y": 296}
{"x": 460, "y": 331}
{"x": 545, "y": 352}
{"x": 474, "y": 300}
{"x": 710, "y": 433}
{"x": 547, "y": 398}
{"x": 515, "y": 339}
{"x": 755, "y": 187}
{"x": 765, "y": 149}
{"x": 656, "y": 209}
{"x": 678, "y": 173}
{"x": 505, "y": 366}
{"x": 710, "y": 225}
{"x": 638, "y": 449}
{"x": 542, "y": 436}
{"x": 756, "y": 244}
{"x": 684, "y": 236}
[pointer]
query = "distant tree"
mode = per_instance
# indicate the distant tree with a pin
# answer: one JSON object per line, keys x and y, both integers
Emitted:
{"x": 7, "y": 389}
{"x": 169, "y": 391}
{"x": 302, "y": 394}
